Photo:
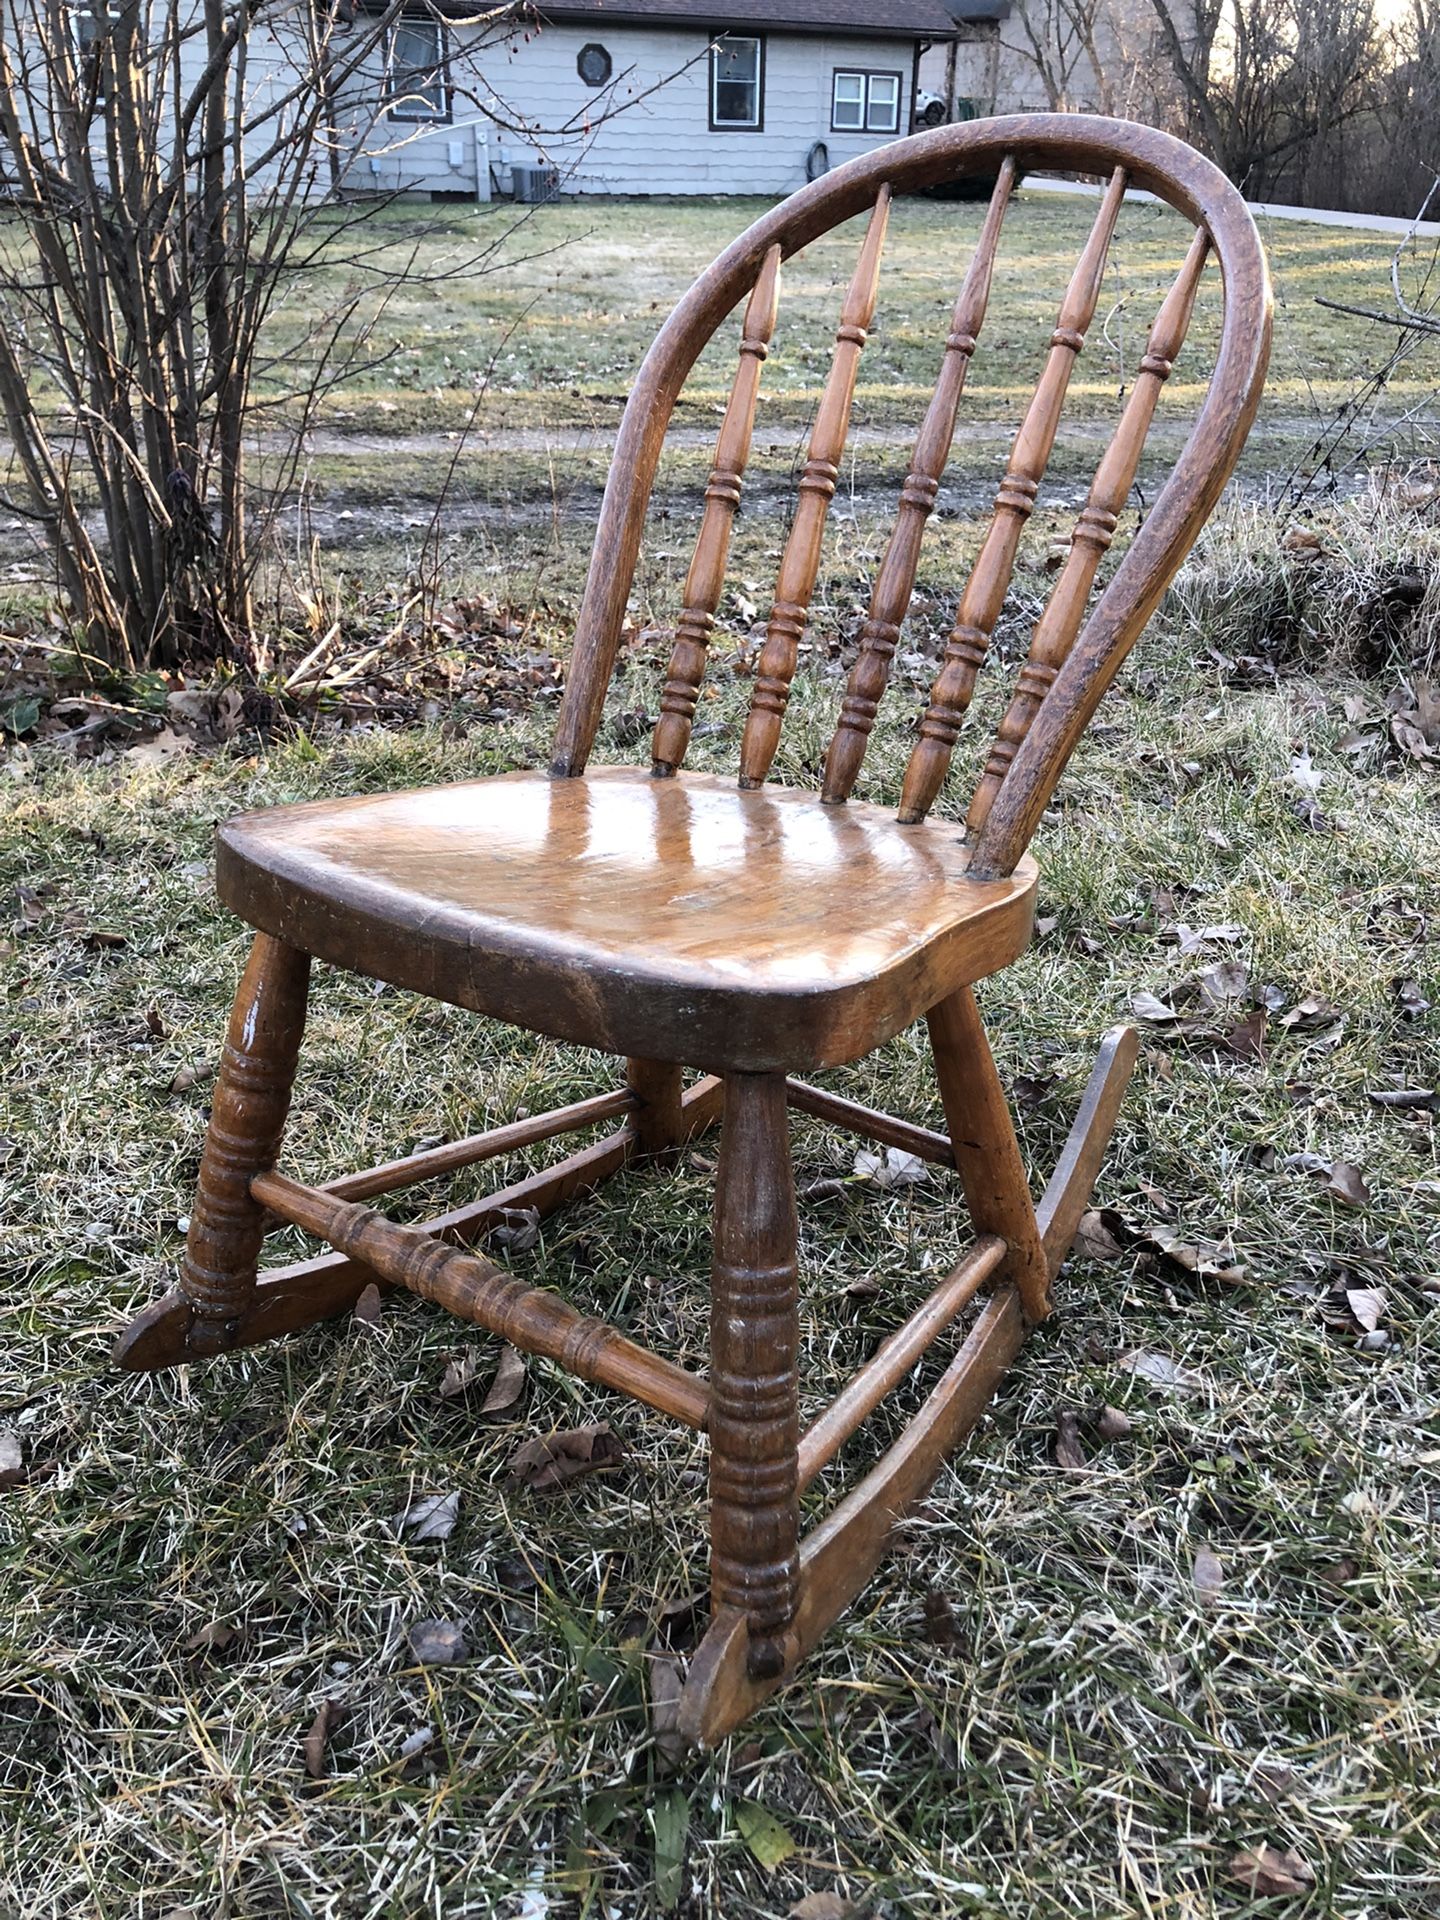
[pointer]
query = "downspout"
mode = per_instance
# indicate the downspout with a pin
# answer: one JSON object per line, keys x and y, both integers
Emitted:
{"x": 920, "y": 46}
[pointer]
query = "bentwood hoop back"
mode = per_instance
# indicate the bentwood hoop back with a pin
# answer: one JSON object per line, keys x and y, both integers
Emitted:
{"x": 751, "y": 931}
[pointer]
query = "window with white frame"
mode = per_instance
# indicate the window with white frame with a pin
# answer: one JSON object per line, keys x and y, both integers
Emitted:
{"x": 88, "y": 27}
{"x": 415, "y": 85}
{"x": 864, "y": 102}
{"x": 737, "y": 84}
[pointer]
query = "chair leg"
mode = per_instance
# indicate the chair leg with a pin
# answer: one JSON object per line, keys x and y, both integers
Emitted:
{"x": 659, "y": 1121}
{"x": 987, "y": 1154}
{"x": 754, "y": 1339}
{"x": 247, "y": 1118}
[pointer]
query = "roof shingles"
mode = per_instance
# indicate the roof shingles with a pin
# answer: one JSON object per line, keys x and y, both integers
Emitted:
{"x": 888, "y": 19}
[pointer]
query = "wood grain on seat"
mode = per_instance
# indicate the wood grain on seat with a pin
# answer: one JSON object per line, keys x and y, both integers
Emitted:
{"x": 678, "y": 919}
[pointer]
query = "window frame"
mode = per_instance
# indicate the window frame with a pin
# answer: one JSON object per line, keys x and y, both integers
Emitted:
{"x": 86, "y": 53}
{"x": 865, "y": 75}
{"x": 757, "y": 40}
{"x": 413, "y": 108}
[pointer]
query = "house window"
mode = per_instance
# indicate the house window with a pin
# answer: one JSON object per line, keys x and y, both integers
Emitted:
{"x": 737, "y": 84}
{"x": 415, "y": 87}
{"x": 865, "y": 102}
{"x": 88, "y": 27}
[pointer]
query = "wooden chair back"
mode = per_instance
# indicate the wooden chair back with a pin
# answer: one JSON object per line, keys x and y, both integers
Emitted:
{"x": 1078, "y": 644}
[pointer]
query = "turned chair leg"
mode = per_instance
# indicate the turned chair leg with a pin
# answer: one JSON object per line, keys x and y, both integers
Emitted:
{"x": 754, "y": 1338}
{"x": 658, "y": 1121}
{"x": 247, "y": 1118}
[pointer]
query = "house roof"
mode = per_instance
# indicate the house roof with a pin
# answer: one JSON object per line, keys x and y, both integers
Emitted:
{"x": 883, "y": 19}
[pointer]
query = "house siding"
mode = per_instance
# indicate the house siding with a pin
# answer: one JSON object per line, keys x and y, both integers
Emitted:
{"x": 660, "y": 142}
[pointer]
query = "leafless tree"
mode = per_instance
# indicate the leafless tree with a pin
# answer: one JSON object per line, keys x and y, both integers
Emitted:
{"x": 1263, "y": 80}
{"x": 172, "y": 168}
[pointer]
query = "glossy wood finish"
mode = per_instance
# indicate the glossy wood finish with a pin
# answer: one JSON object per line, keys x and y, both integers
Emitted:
{"x": 870, "y": 1125}
{"x": 1068, "y": 1193}
{"x": 990, "y": 581}
{"x": 436, "y": 1162}
{"x": 531, "y": 1318}
{"x": 706, "y": 579}
{"x": 895, "y": 1358}
{"x": 307, "y": 1292}
{"x": 895, "y": 580}
{"x": 672, "y": 919}
{"x": 754, "y": 1387}
{"x": 800, "y": 563}
{"x": 679, "y": 920}
{"x": 1057, "y": 627}
{"x": 838, "y": 1558}
{"x": 247, "y": 1119}
{"x": 986, "y": 1150}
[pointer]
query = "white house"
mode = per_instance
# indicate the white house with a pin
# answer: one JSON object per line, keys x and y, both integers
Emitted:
{"x": 646, "y": 96}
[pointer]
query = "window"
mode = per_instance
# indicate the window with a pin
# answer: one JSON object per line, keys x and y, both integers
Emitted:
{"x": 593, "y": 64}
{"x": 415, "y": 86}
{"x": 865, "y": 102}
{"x": 737, "y": 84}
{"x": 88, "y": 27}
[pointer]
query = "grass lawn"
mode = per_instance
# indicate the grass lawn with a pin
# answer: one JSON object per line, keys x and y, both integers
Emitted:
{"x": 1050, "y": 1701}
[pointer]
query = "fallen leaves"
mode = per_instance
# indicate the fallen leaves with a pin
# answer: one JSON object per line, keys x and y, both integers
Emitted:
{"x": 892, "y": 1168}
{"x": 438, "y": 1643}
{"x": 1069, "y": 1453}
{"x": 1268, "y": 1872}
{"x": 1208, "y": 1576}
{"x": 1346, "y": 1182}
{"x": 763, "y": 1834}
{"x": 554, "y": 1460}
{"x": 367, "y": 1308}
{"x": 12, "y": 1460}
{"x": 507, "y": 1389}
{"x": 1159, "y": 1370}
{"x": 1105, "y": 1234}
{"x": 432, "y": 1517}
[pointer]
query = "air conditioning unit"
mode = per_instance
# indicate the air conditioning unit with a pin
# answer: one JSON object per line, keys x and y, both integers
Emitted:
{"x": 535, "y": 185}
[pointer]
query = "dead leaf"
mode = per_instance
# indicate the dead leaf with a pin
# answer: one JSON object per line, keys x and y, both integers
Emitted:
{"x": 823, "y": 1906}
{"x": 458, "y": 1375}
{"x": 1203, "y": 1258}
{"x": 190, "y": 1076}
{"x": 1305, "y": 775}
{"x": 508, "y": 1386}
{"x": 213, "y": 1638}
{"x": 1410, "y": 1000}
{"x": 1149, "y": 1006}
{"x": 828, "y": 1188}
{"x": 1069, "y": 1453}
{"x": 893, "y": 1168}
{"x": 665, "y": 1676}
{"x": 1230, "y": 980}
{"x": 1406, "y": 1099}
{"x": 438, "y": 1643}
{"x": 1112, "y": 1424}
{"x": 1347, "y": 1183}
{"x": 551, "y": 1461}
{"x": 316, "y": 1740}
{"x": 1159, "y": 1370}
{"x": 1208, "y": 1575}
{"x": 367, "y": 1307}
{"x": 1268, "y": 1872}
{"x": 432, "y": 1517}
{"x": 12, "y": 1460}
{"x": 1098, "y": 1235}
{"x": 939, "y": 1624}
{"x": 1368, "y": 1304}
{"x": 1246, "y": 1039}
{"x": 1340, "y": 1573}
{"x": 519, "y": 1229}
{"x": 159, "y": 748}
{"x": 1311, "y": 1013}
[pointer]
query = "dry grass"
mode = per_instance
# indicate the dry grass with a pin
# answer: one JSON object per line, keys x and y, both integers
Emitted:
{"x": 1097, "y": 1739}
{"x": 1095, "y": 1736}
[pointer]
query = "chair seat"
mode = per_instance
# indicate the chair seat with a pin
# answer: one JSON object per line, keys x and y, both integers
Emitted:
{"x": 676, "y": 919}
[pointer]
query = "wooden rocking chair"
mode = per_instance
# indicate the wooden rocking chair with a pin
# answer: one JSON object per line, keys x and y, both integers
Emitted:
{"x": 753, "y": 932}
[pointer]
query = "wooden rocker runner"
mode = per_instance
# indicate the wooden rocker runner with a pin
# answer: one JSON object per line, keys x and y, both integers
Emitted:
{"x": 749, "y": 930}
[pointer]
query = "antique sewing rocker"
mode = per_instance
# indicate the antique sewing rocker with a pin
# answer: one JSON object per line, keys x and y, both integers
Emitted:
{"x": 753, "y": 932}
